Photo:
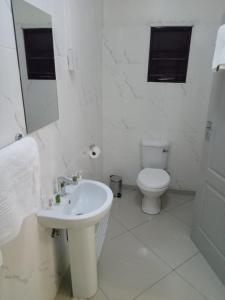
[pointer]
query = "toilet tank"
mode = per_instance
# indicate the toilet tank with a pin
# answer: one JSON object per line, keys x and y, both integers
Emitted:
{"x": 154, "y": 153}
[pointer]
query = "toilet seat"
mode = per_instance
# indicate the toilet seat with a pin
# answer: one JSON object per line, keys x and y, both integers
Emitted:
{"x": 150, "y": 178}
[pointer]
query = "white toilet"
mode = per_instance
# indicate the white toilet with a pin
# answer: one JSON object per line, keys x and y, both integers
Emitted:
{"x": 153, "y": 180}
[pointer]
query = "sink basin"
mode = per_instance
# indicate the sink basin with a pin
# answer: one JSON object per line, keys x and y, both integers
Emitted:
{"x": 84, "y": 205}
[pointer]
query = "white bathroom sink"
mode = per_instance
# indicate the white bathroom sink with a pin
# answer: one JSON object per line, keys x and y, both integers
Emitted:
{"x": 84, "y": 205}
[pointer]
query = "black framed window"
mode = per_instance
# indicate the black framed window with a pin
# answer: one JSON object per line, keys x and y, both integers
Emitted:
{"x": 169, "y": 54}
{"x": 39, "y": 53}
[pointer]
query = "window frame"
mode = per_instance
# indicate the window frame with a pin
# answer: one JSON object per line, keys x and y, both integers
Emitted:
{"x": 41, "y": 75}
{"x": 165, "y": 77}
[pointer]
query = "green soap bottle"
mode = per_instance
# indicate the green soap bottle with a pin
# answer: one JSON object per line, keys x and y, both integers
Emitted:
{"x": 57, "y": 199}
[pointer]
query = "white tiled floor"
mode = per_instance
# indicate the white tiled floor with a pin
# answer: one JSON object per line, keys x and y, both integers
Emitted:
{"x": 168, "y": 238}
{"x": 123, "y": 263}
{"x": 128, "y": 211}
{"x": 183, "y": 213}
{"x": 152, "y": 257}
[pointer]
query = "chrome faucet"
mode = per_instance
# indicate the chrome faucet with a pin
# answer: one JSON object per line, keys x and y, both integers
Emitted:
{"x": 62, "y": 181}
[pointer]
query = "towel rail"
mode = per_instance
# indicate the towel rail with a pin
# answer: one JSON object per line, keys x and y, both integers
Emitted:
{"x": 18, "y": 137}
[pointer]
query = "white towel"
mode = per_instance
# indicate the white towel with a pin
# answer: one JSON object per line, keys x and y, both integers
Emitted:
{"x": 219, "y": 55}
{"x": 19, "y": 186}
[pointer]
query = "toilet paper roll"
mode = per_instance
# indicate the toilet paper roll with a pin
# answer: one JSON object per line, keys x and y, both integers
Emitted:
{"x": 94, "y": 151}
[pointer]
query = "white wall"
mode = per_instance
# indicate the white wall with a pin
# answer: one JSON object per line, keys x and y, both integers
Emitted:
{"x": 33, "y": 262}
{"x": 133, "y": 108}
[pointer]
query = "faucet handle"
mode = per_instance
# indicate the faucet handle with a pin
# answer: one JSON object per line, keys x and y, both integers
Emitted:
{"x": 77, "y": 177}
{"x": 74, "y": 178}
{"x": 61, "y": 185}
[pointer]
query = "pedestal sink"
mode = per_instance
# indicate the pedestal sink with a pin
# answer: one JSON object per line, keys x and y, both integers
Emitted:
{"x": 84, "y": 205}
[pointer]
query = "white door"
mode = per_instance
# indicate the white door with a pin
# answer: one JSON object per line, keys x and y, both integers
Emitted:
{"x": 208, "y": 230}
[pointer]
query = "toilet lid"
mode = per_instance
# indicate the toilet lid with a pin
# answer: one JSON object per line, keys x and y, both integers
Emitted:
{"x": 153, "y": 178}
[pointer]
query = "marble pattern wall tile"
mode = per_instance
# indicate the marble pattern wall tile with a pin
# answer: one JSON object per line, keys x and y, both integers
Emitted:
{"x": 134, "y": 109}
{"x": 33, "y": 263}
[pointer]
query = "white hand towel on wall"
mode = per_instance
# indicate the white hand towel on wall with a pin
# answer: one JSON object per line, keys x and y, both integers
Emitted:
{"x": 19, "y": 186}
{"x": 219, "y": 55}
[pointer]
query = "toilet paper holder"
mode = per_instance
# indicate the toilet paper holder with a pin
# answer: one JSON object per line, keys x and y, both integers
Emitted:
{"x": 18, "y": 136}
{"x": 94, "y": 151}
{"x": 91, "y": 148}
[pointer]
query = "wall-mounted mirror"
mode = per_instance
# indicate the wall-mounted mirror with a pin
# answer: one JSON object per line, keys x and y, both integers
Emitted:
{"x": 34, "y": 39}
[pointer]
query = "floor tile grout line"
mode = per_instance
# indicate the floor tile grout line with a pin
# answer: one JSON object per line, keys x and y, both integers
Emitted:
{"x": 165, "y": 276}
{"x": 151, "y": 286}
{"x": 187, "y": 260}
{"x": 189, "y": 283}
{"x": 163, "y": 211}
{"x": 178, "y": 219}
{"x": 136, "y": 226}
{"x": 143, "y": 243}
{"x": 117, "y": 220}
{"x": 178, "y": 205}
{"x": 153, "y": 217}
{"x": 150, "y": 249}
{"x": 106, "y": 296}
{"x": 174, "y": 270}
{"x": 167, "y": 212}
{"x": 117, "y": 236}
{"x": 128, "y": 229}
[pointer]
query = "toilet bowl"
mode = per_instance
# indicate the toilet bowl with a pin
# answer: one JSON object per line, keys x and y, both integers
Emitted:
{"x": 153, "y": 183}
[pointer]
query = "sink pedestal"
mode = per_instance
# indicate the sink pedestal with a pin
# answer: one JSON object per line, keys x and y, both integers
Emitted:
{"x": 83, "y": 261}
{"x": 84, "y": 206}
